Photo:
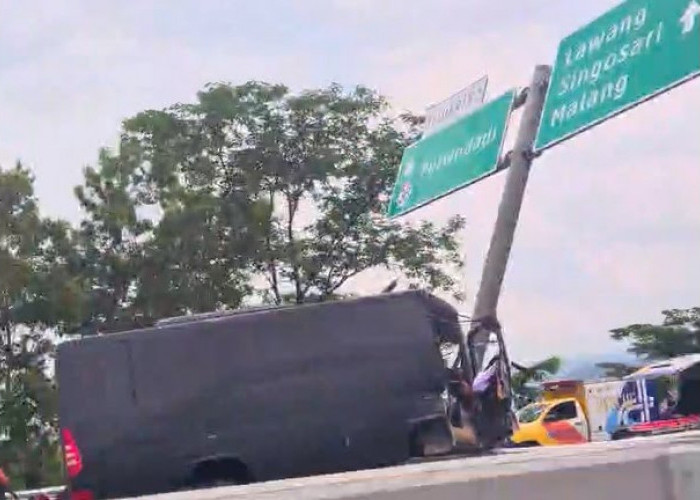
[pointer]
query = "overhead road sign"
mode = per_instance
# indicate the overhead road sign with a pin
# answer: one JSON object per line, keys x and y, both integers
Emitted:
{"x": 636, "y": 51}
{"x": 452, "y": 158}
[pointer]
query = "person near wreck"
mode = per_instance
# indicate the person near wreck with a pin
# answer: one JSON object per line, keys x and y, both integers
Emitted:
{"x": 471, "y": 398}
{"x": 462, "y": 418}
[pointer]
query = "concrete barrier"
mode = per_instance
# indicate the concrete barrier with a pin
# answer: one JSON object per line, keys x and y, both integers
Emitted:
{"x": 665, "y": 468}
{"x": 684, "y": 467}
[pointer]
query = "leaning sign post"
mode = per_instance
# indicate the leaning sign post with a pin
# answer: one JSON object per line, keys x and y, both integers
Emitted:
{"x": 452, "y": 158}
{"x": 637, "y": 50}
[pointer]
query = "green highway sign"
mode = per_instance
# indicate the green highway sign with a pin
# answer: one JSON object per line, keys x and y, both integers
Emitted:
{"x": 452, "y": 158}
{"x": 632, "y": 53}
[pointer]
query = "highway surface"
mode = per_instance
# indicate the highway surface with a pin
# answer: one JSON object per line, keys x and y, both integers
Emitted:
{"x": 654, "y": 468}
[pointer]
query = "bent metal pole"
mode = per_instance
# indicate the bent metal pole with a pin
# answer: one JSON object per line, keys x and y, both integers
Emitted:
{"x": 496, "y": 261}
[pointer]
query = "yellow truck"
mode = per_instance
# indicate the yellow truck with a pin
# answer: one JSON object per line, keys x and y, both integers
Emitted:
{"x": 569, "y": 412}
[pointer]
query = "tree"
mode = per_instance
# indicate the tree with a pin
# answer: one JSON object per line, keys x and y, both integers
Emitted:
{"x": 156, "y": 242}
{"x": 616, "y": 369}
{"x": 522, "y": 380}
{"x": 679, "y": 333}
{"x": 37, "y": 293}
{"x": 287, "y": 189}
{"x": 109, "y": 240}
{"x": 30, "y": 446}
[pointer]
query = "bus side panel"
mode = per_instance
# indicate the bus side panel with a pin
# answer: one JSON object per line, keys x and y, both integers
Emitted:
{"x": 290, "y": 392}
{"x": 96, "y": 405}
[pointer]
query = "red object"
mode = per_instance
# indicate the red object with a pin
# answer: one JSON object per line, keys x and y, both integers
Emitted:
{"x": 674, "y": 424}
{"x": 71, "y": 453}
{"x": 82, "y": 495}
{"x": 564, "y": 433}
{"x": 3, "y": 478}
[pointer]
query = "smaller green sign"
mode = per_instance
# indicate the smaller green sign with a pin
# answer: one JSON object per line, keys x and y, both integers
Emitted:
{"x": 452, "y": 158}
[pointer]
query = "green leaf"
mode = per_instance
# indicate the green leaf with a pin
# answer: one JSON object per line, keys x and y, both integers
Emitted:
{"x": 678, "y": 334}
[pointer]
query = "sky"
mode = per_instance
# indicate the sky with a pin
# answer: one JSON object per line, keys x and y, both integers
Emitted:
{"x": 608, "y": 233}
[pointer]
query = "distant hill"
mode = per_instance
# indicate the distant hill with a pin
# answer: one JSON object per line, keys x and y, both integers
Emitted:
{"x": 584, "y": 367}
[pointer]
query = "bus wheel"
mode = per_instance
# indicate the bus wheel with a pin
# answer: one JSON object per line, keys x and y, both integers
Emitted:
{"x": 219, "y": 472}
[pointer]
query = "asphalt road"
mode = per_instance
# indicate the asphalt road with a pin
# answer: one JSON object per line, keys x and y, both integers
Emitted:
{"x": 653, "y": 468}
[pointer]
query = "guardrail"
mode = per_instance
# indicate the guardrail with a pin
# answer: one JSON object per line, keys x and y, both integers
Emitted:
{"x": 51, "y": 492}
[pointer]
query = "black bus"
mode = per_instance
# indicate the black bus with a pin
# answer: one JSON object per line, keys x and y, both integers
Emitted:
{"x": 246, "y": 396}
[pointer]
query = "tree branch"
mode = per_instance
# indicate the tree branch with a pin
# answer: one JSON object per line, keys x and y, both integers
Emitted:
{"x": 345, "y": 277}
{"x": 271, "y": 262}
{"x": 292, "y": 206}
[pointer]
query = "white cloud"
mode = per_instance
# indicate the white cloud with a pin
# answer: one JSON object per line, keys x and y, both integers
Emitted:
{"x": 633, "y": 270}
{"x": 60, "y": 105}
{"x": 551, "y": 325}
{"x": 419, "y": 73}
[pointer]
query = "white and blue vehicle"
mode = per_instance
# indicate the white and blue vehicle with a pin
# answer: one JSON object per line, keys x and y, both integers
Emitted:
{"x": 658, "y": 398}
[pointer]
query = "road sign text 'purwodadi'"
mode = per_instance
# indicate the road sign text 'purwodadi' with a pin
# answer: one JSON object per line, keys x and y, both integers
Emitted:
{"x": 452, "y": 157}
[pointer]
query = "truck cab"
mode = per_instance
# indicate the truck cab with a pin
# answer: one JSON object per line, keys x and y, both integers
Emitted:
{"x": 661, "y": 397}
{"x": 569, "y": 412}
{"x": 552, "y": 422}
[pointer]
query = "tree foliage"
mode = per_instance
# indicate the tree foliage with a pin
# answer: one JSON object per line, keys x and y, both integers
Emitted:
{"x": 524, "y": 376}
{"x": 107, "y": 241}
{"x": 38, "y": 291}
{"x": 292, "y": 189}
{"x": 678, "y": 333}
{"x": 616, "y": 369}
